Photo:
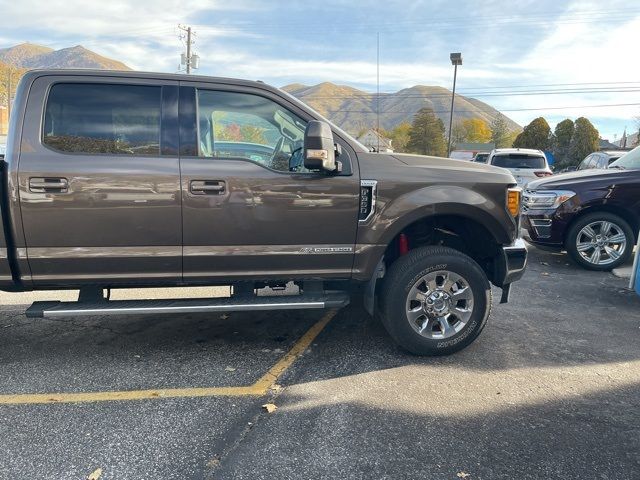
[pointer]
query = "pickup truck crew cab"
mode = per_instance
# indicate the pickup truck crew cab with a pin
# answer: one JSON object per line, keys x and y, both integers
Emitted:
{"x": 115, "y": 179}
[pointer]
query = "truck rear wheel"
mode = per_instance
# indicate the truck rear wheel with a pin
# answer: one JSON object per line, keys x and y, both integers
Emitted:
{"x": 435, "y": 301}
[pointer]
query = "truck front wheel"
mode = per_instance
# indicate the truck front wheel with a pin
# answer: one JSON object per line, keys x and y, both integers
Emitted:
{"x": 435, "y": 301}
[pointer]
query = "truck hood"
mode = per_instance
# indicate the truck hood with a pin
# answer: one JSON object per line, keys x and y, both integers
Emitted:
{"x": 569, "y": 179}
{"x": 454, "y": 165}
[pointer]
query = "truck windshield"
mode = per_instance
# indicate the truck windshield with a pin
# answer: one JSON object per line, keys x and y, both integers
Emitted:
{"x": 629, "y": 161}
{"x": 518, "y": 160}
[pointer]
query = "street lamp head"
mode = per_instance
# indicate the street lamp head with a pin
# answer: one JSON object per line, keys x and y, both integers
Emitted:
{"x": 456, "y": 58}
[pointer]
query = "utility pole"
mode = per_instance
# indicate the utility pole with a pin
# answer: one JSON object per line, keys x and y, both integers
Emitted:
{"x": 189, "y": 60}
{"x": 456, "y": 59}
{"x": 188, "y": 50}
{"x": 378, "y": 91}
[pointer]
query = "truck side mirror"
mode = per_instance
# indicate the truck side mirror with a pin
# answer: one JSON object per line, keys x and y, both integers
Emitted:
{"x": 319, "y": 149}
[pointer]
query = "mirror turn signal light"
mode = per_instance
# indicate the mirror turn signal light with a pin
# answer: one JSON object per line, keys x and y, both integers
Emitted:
{"x": 513, "y": 200}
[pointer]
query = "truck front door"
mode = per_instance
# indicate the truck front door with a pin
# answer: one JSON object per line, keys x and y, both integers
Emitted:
{"x": 250, "y": 208}
{"x": 99, "y": 188}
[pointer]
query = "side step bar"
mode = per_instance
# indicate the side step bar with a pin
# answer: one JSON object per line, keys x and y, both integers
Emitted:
{"x": 187, "y": 305}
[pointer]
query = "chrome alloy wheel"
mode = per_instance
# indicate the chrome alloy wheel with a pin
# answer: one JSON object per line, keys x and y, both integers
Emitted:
{"x": 439, "y": 304}
{"x": 601, "y": 242}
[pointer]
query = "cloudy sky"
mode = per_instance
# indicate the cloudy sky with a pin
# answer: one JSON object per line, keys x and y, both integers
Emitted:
{"x": 555, "y": 59}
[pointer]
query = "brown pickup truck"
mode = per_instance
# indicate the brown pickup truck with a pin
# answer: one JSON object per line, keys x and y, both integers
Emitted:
{"x": 119, "y": 180}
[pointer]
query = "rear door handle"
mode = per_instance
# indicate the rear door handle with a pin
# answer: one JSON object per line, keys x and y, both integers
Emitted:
{"x": 48, "y": 185}
{"x": 207, "y": 187}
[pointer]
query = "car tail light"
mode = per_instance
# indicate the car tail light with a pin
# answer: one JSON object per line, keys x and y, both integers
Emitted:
{"x": 513, "y": 201}
{"x": 543, "y": 174}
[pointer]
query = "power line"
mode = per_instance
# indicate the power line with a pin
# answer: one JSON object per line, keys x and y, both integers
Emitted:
{"x": 387, "y": 96}
{"x": 566, "y": 107}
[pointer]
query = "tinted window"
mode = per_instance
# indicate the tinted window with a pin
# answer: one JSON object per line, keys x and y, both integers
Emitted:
{"x": 251, "y": 127}
{"x": 518, "y": 160}
{"x": 100, "y": 118}
{"x": 585, "y": 163}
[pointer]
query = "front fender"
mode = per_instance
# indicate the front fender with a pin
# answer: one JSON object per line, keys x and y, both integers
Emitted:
{"x": 394, "y": 215}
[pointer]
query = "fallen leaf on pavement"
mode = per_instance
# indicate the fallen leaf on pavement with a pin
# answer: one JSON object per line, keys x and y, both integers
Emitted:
{"x": 269, "y": 407}
{"x": 95, "y": 475}
{"x": 544, "y": 263}
{"x": 230, "y": 369}
{"x": 546, "y": 274}
{"x": 463, "y": 475}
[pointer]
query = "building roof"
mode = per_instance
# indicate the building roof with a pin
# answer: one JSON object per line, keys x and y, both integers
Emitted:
{"x": 384, "y": 141}
{"x": 605, "y": 144}
{"x": 632, "y": 140}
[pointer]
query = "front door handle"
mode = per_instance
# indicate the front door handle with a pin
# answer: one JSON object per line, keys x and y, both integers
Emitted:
{"x": 207, "y": 187}
{"x": 48, "y": 185}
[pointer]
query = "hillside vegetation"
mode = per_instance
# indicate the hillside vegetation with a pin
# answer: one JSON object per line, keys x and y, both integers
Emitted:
{"x": 355, "y": 110}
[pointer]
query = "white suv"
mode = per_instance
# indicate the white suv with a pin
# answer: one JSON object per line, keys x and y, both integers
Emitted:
{"x": 524, "y": 163}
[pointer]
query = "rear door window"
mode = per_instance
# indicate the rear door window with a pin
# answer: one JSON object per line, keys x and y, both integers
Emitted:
{"x": 518, "y": 160}
{"x": 103, "y": 119}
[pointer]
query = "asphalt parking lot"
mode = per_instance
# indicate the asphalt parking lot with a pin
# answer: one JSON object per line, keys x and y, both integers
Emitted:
{"x": 551, "y": 389}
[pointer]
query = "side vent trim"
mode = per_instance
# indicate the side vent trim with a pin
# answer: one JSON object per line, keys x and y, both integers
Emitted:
{"x": 367, "y": 206}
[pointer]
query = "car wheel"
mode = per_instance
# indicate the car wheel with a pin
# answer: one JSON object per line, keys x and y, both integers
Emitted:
{"x": 435, "y": 301}
{"x": 600, "y": 241}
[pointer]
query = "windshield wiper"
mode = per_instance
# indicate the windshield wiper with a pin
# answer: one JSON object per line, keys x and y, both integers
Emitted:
{"x": 620, "y": 167}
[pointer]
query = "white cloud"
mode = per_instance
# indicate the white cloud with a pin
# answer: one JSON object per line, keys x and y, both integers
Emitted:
{"x": 144, "y": 35}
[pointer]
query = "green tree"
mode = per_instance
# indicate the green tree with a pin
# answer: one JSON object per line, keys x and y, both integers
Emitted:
{"x": 400, "y": 136}
{"x": 535, "y": 135}
{"x": 562, "y": 136}
{"x": 499, "y": 131}
{"x": 585, "y": 140}
{"x": 458, "y": 134}
{"x": 427, "y": 134}
{"x": 9, "y": 78}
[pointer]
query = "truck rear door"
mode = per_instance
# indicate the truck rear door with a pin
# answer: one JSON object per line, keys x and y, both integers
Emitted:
{"x": 250, "y": 209}
{"x": 99, "y": 182}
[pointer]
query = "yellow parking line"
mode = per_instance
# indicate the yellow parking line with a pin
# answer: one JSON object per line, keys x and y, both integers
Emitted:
{"x": 269, "y": 379}
{"x": 259, "y": 388}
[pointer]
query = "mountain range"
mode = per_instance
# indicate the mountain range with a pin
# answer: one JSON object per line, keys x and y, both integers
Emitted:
{"x": 355, "y": 110}
{"x": 30, "y": 55}
{"x": 350, "y": 108}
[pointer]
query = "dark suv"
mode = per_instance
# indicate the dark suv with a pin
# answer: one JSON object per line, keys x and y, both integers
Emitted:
{"x": 593, "y": 214}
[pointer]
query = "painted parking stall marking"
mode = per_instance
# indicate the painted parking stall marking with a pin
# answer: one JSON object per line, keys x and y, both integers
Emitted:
{"x": 259, "y": 388}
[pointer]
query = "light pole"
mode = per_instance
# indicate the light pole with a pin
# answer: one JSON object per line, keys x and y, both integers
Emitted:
{"x": 456, "y": 59}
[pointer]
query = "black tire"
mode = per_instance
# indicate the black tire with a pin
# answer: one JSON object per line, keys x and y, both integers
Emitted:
{"x": 571, "y": 243}
{"x": 401, "y": 278}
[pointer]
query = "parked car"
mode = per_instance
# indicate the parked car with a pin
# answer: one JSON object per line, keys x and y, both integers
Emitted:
{"x": 481, "y": 157}
{"x": 593, "y": 214}
{"x": 137, "y": 179}
{"x": 525, "y": 164}
{"x": 600, "y": 159}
